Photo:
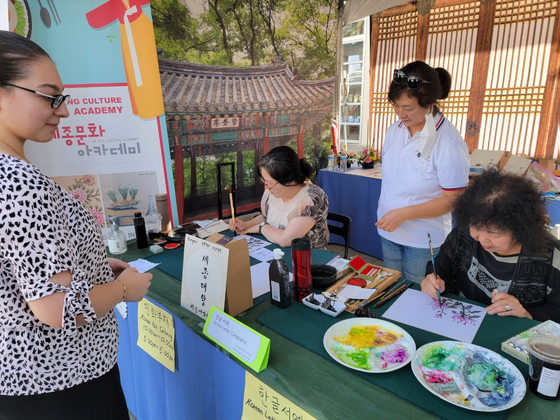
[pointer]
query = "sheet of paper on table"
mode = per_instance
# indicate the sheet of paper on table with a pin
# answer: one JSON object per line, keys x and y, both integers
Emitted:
{"x": 143, "y": 265}
{"x": 260, "y": 279}
{"x": 219, "y": 226}
{"x": 371, "y": 173}
{"x": 262, "y": 254}
{"x": 454, "y": 319}
{"x": 356, "y": 292}
{"x": 253, "y": 243}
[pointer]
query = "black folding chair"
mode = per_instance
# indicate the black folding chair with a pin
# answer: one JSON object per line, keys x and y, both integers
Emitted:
{"x": 342, "y": 226}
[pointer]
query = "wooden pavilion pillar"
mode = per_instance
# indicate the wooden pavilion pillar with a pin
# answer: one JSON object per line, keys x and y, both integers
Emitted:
{"x": 480, "y": 72}
{"x": 179, "y": 179}
{"x": 266, "y": 145}
{"x": 423, "y": 7}
{"x": 548, "y": 126}
{"x": 300, "y": 141}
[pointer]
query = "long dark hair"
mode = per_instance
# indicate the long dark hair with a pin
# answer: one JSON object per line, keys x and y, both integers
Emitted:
{"x": 284, "y": 165}
{"x": 16, "y": 55}
{"x": 437, "y": 87}
{"x": 505, "y": 202}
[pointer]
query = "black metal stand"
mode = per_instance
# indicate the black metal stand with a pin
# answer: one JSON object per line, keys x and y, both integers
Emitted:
{"x": 220, "y": 191}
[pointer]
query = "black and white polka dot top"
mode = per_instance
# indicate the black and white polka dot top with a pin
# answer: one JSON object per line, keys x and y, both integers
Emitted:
{"x": 45, "y": 231}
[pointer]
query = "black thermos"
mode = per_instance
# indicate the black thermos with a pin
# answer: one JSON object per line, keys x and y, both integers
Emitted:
{"x": 140, "y": 230}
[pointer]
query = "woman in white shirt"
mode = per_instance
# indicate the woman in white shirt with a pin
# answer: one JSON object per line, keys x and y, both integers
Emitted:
{"x": 58, "y": 331}
{"x": 291, "y": 207}
{"x": 425, "y": 164}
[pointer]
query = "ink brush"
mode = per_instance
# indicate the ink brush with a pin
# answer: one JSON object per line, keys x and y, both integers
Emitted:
{"x": 434, "y": 265}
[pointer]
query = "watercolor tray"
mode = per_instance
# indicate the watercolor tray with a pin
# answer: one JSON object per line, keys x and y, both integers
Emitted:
{"x": 469, "y": 376}
{"x": 358, "y": 351}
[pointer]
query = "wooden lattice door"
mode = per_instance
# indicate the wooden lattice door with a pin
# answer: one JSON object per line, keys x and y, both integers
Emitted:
{"x": 504, "y": 60}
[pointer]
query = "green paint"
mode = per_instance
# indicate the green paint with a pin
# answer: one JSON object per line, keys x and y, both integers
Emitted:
{"x": 358, "y": 358}
{"x": 438, "y": 357}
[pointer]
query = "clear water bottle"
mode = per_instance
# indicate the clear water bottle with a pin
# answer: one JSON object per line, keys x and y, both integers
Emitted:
{"x": 343, "y": 160}
{"x": 331, "y": 165}
{"x": 153, "y": 220}
{"x": 116, "y": 239}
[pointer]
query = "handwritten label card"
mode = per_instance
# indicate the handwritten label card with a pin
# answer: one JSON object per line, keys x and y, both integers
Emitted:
{"x": 156, "y": 333}
{"x": 243, "y": 342}
{"x": 204, "y": 276}
{"x": 262, "y": 402}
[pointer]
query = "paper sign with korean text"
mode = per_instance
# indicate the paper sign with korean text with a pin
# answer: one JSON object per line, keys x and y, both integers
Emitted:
{"x": 262, "y": 402}
{"x": 205, "y": 267}
{"x": 243, "y": 342}
{"x": 156, "y": 333}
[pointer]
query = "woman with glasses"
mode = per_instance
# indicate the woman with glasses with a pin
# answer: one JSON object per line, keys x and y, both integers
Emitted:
{"x": 291, "y": 206}
{"x": 425, "y": 165}
{"x": 58, "y": 331}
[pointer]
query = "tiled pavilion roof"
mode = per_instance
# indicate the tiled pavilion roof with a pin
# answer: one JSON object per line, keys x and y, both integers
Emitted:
{"x": 198, "y": 88}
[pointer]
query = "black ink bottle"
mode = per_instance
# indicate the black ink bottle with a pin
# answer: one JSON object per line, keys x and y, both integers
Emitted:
{"x": 280, "y": 293}
{"x": 140, "y": 230}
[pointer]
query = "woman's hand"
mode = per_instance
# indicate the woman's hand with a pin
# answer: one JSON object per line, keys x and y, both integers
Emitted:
{"x": 239, "y": 226}
{"x": 137, "y": 284}
{"x": 506, "y": 305}
{"x": 430, "y": 285}
{"x": 117, "y": 266}
{"x": 391, "y": 220}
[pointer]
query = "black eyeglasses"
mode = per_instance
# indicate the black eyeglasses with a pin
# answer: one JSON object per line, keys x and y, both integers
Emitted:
{"x": 412, "y": 82}
{"x": 57, "y": 100}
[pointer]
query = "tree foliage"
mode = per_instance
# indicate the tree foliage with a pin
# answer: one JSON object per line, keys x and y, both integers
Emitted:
{"x": 251, "y": 32}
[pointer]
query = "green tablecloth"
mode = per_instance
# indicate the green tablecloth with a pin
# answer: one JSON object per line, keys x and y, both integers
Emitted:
{"x": 322, "y": 387}
{"x": 307, "y": 328}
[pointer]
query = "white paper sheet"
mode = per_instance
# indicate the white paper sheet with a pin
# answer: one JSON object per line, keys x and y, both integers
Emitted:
{"x": 253, "y": 243}
{"x": 260, "y": 280}
{"x": 219, "y": 226}
{"x": 143, "y": 265}
{"x": 262, "y": 254}
{"x": 454, "y": 319}
{"x": 355, "y": 292}
{"x": 206, "y": 223}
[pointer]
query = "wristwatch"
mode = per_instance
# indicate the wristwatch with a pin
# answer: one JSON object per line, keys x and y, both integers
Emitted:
{"x": 261, "y": 226}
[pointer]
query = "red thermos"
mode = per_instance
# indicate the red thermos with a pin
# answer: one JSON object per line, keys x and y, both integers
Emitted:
{"x": 301, "y": 263}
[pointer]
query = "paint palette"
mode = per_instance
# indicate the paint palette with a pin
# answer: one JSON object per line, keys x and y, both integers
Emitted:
{"x": 469, "y": 376}
{"x": 369, "y": 345}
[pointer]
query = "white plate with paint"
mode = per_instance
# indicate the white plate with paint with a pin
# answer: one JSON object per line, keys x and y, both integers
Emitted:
{"x": 469, "y": 376}
{"x": 369, "y": 345}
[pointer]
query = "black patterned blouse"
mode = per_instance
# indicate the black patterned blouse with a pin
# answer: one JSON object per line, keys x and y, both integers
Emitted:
{"x": 310, "y": 201}
{"x": 45, "y": 231}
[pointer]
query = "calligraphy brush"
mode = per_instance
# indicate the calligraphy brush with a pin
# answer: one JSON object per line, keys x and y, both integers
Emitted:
{"x": 231, "y": 203}
{"x": 387, "y": 298}
{"x": 434, "y": 265}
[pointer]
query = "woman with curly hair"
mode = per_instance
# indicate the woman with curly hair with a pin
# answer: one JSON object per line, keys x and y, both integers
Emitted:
{"x": 501, "y": 253}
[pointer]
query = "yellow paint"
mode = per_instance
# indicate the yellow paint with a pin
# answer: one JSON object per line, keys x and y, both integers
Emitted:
{"x": 262, "y": 402}
{"x": 360, "y": 336}
{"x": 156, "y": 333}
